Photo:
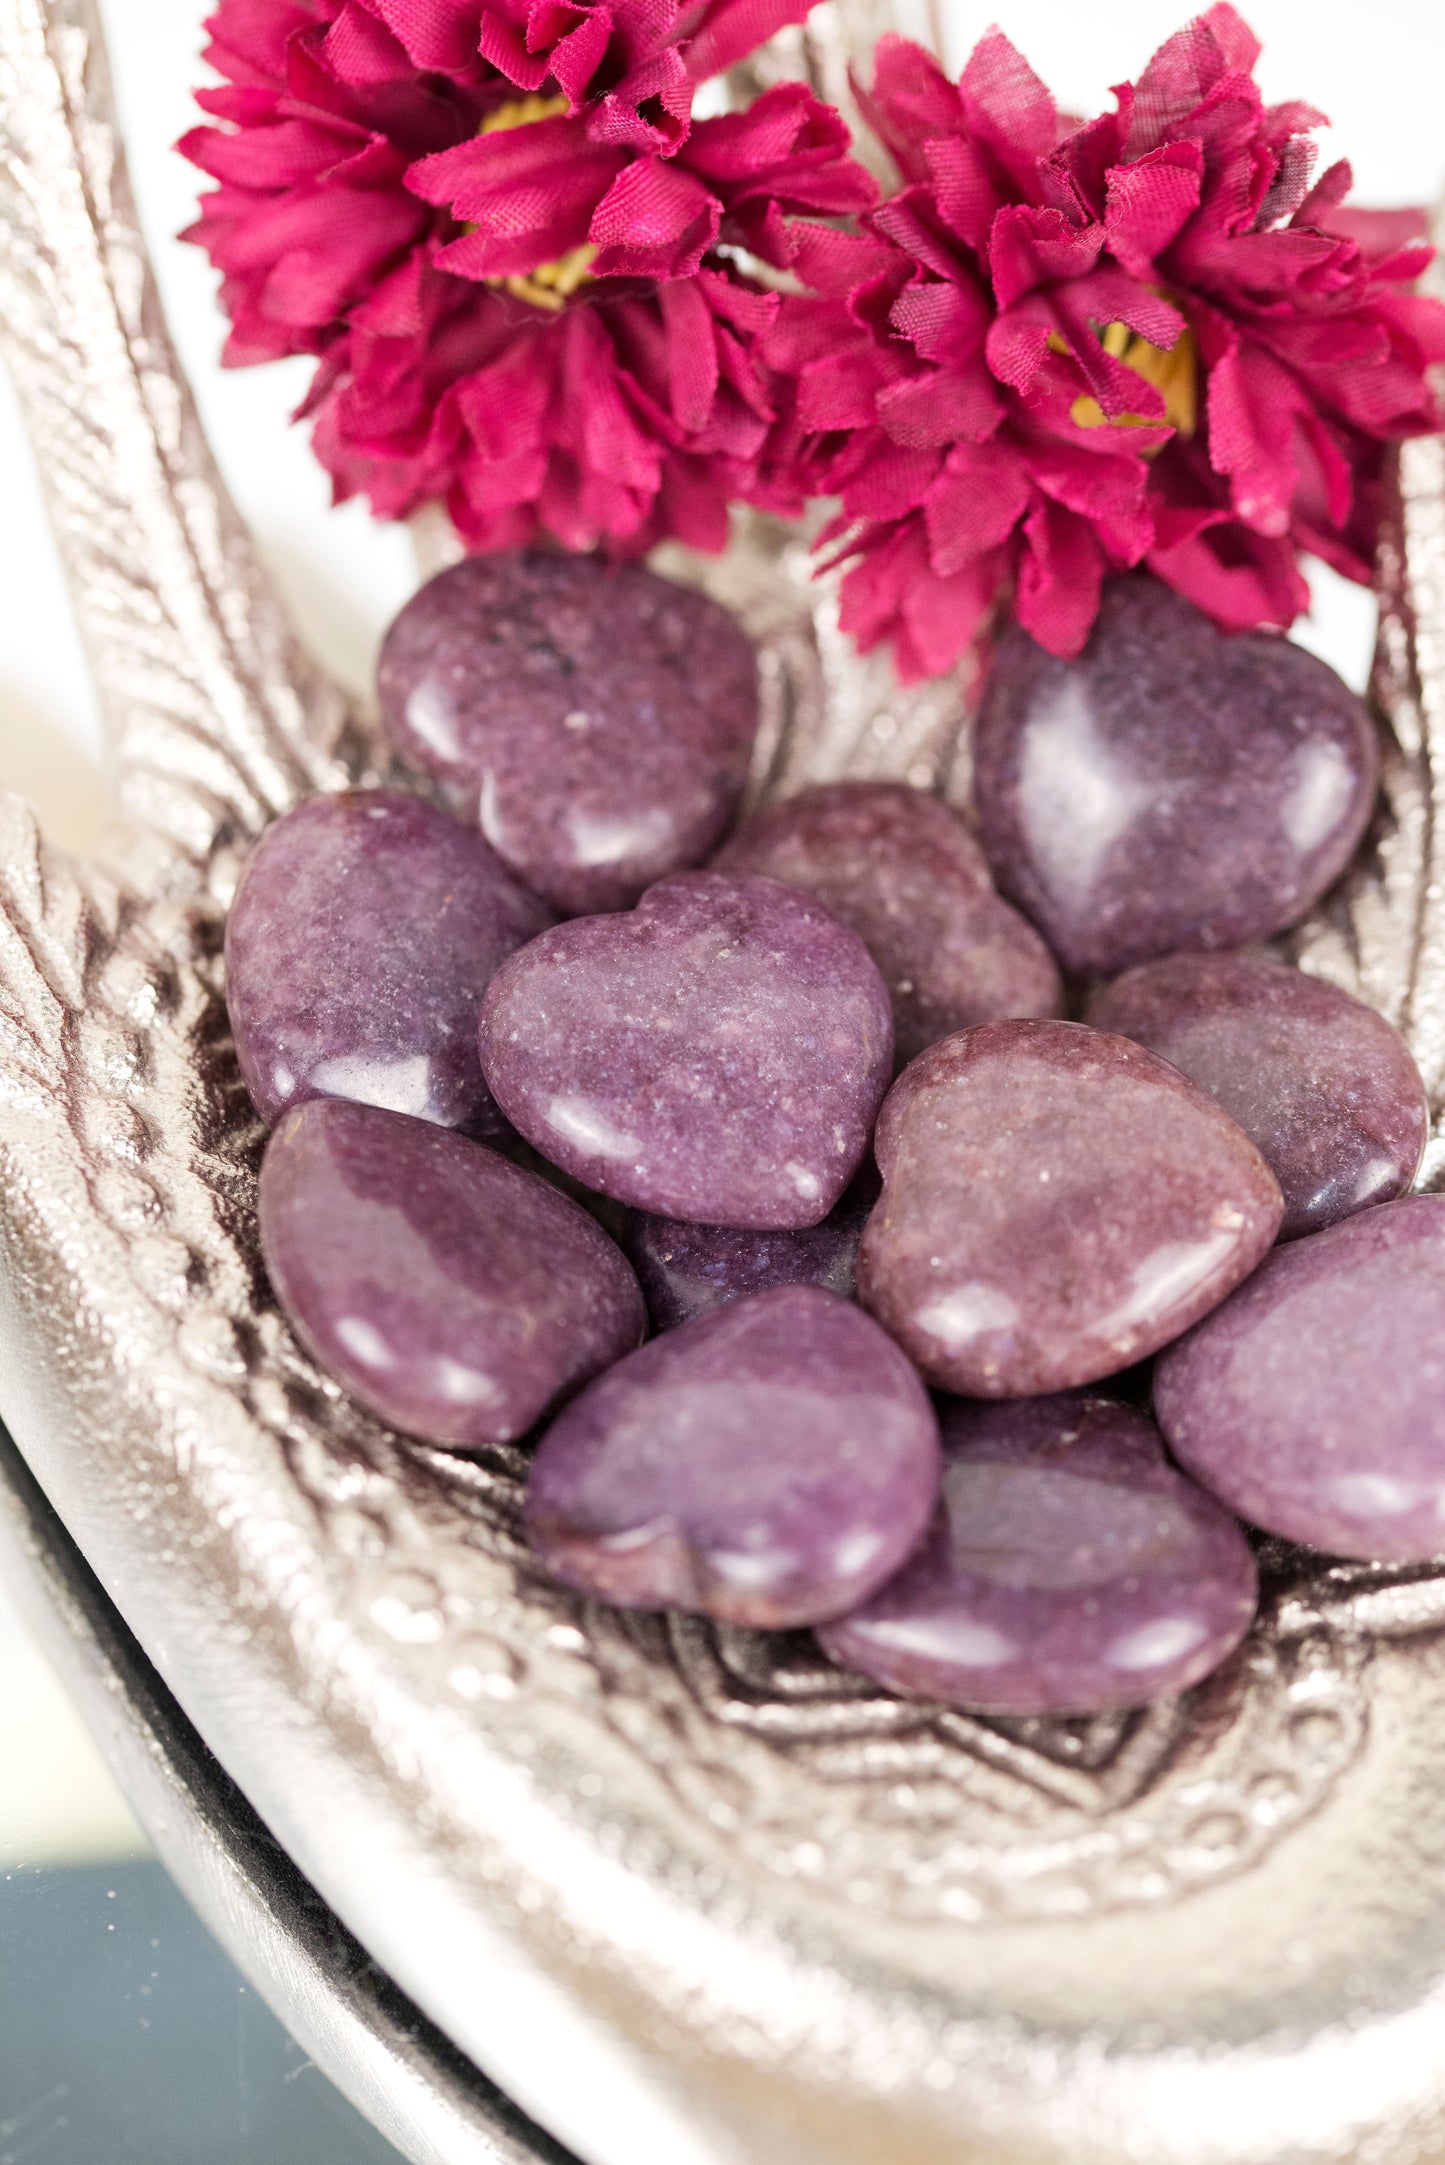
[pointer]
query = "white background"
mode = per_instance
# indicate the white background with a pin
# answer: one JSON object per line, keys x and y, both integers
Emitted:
{"x": 1377, "y": 67}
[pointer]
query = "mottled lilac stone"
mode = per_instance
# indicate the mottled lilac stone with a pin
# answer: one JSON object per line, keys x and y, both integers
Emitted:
{"x": 1057, "y": 1203}
{"x": 718, "y": 1054}
{"x": 600, "y": 719}
{"x": 769, "y": 1464}
{"x": 1174, "y": 787}
{"x": 364, "y": 932}
{"x": 1313, "y": 1401}
{"x": 1069, "y": 1569}
{"x": 686, "y": 1269}
{"x": 1321, "y": 1083}
{"x": 906, "y": 874}
{"x": 454, "y": 1294}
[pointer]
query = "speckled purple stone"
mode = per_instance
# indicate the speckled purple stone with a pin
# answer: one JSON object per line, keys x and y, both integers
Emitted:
{"x": 684, "y": 1270}
{"x": 1069, "y": 1570}
{"x": 600, "y": 719}
{"x": 363, "y": 934}
{"x": 1057, "y": 1203}
{"x": 718, "y": 1054}
{"x": 769, "y": 1464}
{"x": 1174, "y": 787}
{"x": 454, "y": 1294}
{"x": 1323, "y": 1084}
{"x": 906, "y": 874}
{"x": 1313, "y": 1401}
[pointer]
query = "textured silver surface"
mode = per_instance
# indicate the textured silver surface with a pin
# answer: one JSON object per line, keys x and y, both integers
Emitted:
{"x": 349, "y": 2018}
{"x": 688, "y": 1895}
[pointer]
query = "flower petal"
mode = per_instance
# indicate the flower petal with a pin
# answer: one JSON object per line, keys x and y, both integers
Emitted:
{"x": 975, "y": 503}
{"x": 656, "y": 221}
{"x": 732, "y": 28}
{"x": 1059, "y": 579}
{"x": 1148, "y": 201}
{"x": 942, "y": 408}
{"x": 692, "y": 352}
{"x": 1008, "y": 110}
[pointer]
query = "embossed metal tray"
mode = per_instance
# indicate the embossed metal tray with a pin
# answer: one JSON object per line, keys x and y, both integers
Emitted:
{"x": 688, "y": 1895}
{"x": 393, "y": 2064}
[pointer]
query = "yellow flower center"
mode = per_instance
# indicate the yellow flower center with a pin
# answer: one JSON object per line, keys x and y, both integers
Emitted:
{"x": 521, "y": 112}
{"x": 549, "y": 285}
{"x": 1173, "y": 371}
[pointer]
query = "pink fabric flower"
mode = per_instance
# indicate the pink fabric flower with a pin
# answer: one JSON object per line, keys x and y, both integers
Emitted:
{"x": 1063, "y": 350}
{"x": 499, "y": 229}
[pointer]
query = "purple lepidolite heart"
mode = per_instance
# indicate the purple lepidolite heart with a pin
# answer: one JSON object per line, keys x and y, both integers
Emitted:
{"x": 906, "y": 874}
{"x": 1069, "y": 1570}
{"x": 1057, "y": 1203}
{"x": 454, "y": 1294}
{"x": 686, "y": 1269}
{"x": 1174, "y": 787}
{"x": 364, "y": 932}
{"x": 717, "y": 1054}
{"x": 1313, "y": 1401}
{"x": 1323, "y": 1084}
{"x": 599, "y": 719}
{"x": 770, "y": 1464}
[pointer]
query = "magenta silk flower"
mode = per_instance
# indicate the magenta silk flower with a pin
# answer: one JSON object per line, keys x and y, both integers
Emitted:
{"x": 538, "y": 291}
{"x": 501, "y": 232}
{"x": 1061, "y": 350}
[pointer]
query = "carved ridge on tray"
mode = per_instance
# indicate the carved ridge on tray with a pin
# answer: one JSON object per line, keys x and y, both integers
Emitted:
{"x": 218, "y": 720}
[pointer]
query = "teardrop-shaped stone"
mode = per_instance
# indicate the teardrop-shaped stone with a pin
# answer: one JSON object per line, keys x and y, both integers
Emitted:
{"x": 1175, "y": 786}
{"x": 684, "y": 1270}
{"x": 1069, "y": 1570}
{"x": 906, "y": 874}
{"x": 598, "y": 718}
{"x": 1057, "y": 1203}
{"x": 1321, "y": 1083}
{"x": 365, "y": 929}
{"x": 454, "y": 1294}
{"x": 769, "y": 1464}
{"x": 717, "y": 1054}
{"x": 1313, "y": 1401}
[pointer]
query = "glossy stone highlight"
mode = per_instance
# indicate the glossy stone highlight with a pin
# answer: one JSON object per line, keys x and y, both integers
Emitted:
{"x": 1175, "y": 787}
{"x": 769, "y": 1464}
{"x": 906, "y": 874}
{"x": 364, "y": 932}
{"x": 455, "y": 1295}
{"x": 1057, "y": 1203}
{"x": 718, "y": 1054}
{"x": 684, "y": 1270}
{"x": 1313, "y": 1401}
{"x": 599, "y": 719}
{"x": 1069, "y": 1570}
{"x": 1321, "y": 1083}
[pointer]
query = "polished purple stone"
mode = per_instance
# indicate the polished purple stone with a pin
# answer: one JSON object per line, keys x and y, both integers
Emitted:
{"x": 454, "y": 1294}
{"x": 363, "y": 934}
{"x": 1313, "y": 1401}
{"x": 598, "y": 718}
{"x": 1057, "y": 1203}
{"x": 1069, "y": 1569}
{"x": 906, "y": 874}
{"x": 686, "y": 1269}
{"x": 769, "y": 1464}
{"x": 1174, "y": 787}
{"x": 717, "y": 1054}
{"x": 1321, "y": 1083}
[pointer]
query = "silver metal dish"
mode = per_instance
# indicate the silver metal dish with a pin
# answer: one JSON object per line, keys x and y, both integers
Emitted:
{"x": 687, "y": 1895}
{"x": 393, "y": 2064}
